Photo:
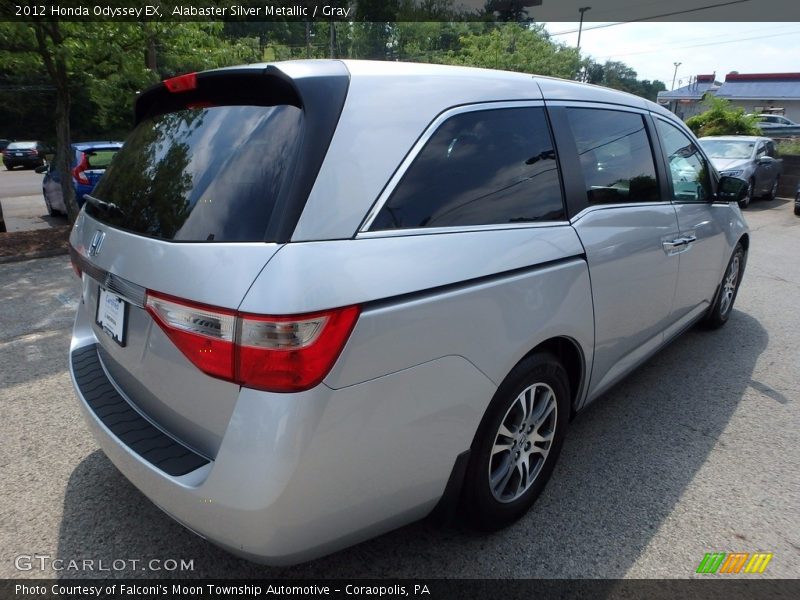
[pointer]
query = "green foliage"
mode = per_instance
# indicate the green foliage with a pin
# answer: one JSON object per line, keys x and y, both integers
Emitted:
{"x": 721, "y": 118}
{"x": 515, "y": 47}
{"x": 619, "y": 76}
{"x": 790, "y": 147}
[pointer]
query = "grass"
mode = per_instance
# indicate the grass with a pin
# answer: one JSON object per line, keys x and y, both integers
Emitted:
{"x": 789, "y": 146}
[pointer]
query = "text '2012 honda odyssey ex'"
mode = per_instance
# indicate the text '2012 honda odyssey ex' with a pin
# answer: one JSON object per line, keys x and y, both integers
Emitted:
{"x": 321, "y": 298}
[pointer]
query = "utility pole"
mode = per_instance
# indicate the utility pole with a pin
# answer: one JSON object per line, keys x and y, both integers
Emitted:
{"x": 675, "y": 74}
{"x": 580, "y": 26}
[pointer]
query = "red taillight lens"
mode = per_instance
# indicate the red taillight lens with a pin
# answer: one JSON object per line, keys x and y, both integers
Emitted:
{"x": 78, "y": 172}
{"x": 74, "y": 261}
{"x": 279, "y": 354}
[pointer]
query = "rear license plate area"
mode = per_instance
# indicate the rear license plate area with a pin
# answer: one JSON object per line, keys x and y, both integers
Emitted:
{"x": 111, "y": 316}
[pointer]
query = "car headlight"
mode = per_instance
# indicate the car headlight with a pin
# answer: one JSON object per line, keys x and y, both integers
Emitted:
{"x": 735, "y": 173}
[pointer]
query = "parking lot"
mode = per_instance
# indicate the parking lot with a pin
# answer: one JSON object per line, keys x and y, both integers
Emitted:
{"x": 696, "y": 452}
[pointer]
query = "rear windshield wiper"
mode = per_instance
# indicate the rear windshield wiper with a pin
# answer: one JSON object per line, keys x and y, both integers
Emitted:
{"x": 108, "y": 207}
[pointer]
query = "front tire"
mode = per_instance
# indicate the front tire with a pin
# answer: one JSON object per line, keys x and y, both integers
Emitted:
{"x": 518, "y": 442}
{"x": 745, "y": 202}
{"x": 773, "y": 193}
{"x": 729, "y": 287}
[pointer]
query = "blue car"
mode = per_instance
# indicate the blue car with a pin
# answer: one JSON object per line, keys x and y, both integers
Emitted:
{"x": 88, "y": 163}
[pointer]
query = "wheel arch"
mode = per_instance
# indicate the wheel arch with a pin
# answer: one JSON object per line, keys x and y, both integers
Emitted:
{"x": 571, "y": 355}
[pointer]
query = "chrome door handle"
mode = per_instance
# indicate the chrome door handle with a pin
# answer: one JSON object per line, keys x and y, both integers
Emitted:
{"x": 678, "y": 245}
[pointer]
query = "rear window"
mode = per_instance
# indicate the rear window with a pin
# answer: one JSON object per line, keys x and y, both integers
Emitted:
{"x": 208, "y": 174}
{"x": 99, "y": 159}
{"x": 21, "y": 145}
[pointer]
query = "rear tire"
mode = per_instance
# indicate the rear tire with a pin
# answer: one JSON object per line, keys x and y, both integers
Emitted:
{"x": 721, "y": 310}
{"x": 518, "y": 442}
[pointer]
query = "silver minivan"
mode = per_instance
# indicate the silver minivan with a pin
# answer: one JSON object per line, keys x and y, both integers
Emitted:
{"x": 322, "y": 299}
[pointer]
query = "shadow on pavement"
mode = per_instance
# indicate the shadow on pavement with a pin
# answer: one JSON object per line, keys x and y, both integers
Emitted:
{"x": 627, "y": 460}
{"x": 759, "y": 204}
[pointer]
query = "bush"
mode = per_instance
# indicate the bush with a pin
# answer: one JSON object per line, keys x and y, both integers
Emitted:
{"x": 789, "y": 146}
{"x": 722, "y": 119}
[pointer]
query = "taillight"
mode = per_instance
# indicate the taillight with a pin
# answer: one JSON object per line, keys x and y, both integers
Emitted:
{"x": 278, "y": 354}
{"x": 203, "y": 334}
{"x": 78, "y": 172}
{"x": 73, "y": 259}
{"x": 181, "y": 83}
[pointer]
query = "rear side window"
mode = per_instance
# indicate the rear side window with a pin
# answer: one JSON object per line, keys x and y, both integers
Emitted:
{"x": 615, "y": 156}
{"x": 208, "y": 174}
{"x": 480, "y": 168}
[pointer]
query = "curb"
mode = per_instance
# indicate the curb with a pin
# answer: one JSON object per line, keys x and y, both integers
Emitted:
{"x": 33, "y": 255}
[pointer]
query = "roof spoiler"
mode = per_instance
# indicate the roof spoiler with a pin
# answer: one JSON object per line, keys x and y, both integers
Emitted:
{"x": 223, "y": 87}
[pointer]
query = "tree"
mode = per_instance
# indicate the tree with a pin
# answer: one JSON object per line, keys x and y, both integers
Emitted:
{"x": 515, "y": 47}
{"x": 619, "y": 76}
{"x": 722, "y": 119}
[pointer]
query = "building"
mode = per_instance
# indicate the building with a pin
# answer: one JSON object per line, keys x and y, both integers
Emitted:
{"x": 685, "y": 101}
{"x": 777, "y": 93}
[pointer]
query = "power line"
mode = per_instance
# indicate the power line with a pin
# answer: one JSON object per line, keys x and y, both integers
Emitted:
{"x": 736, "y": 41}
{"x": 704, "y": 39}
{"x": 661, "y": 16}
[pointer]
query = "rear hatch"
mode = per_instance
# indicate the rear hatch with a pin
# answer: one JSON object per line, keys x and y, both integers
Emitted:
{"x": 204, "y": 192}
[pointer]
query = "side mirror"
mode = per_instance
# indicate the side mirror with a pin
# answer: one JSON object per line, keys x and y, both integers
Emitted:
{"x": 766, "y": 160}
{"x": 41, "y": 169}
{"x": 731, "y": 189}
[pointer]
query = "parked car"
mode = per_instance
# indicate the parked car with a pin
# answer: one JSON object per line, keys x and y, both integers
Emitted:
{"x": 321, "y": 299}
{"x": 89, "y": 162}
{"x": 51, "y": 190}
{"x": 777, "y": 126}
{"x": 25, "y": 154}
{"x": 750, "y": 158}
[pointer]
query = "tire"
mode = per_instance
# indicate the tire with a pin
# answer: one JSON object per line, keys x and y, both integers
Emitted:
{"x": 720, "y": 311}
{"x": 499, "y": 487}
{"x": 797, "y": 208}
{"x": 8, "y": 167}
{"x": 773, "y": 193}
{"x": 50, "y": 210}
{"x": 745, "y": 202}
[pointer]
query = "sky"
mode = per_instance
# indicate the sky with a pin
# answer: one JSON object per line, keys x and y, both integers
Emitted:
{"x": 651, "y": 49}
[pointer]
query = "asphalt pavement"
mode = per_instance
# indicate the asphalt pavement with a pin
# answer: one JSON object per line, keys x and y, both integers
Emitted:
{"x": 22, "y": 203}
{"x": 695, "y": 452}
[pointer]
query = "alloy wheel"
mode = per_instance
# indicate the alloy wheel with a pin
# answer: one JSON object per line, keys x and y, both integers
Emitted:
{"x": 523, "y": 442}
{"x": 729, "y": 285}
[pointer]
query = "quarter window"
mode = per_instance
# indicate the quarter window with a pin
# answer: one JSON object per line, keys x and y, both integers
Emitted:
{"x": 615, "y": 156}
{"x": 687, "y": 167}
{"x": 480, "y": 168}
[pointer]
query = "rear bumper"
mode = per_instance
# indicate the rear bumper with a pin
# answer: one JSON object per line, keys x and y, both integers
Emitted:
{"x": 300, "y": 475}
{"x": 33, "y": 161}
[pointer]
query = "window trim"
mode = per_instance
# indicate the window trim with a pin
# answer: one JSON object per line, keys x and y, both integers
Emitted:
{"x": 433, "y": 127}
